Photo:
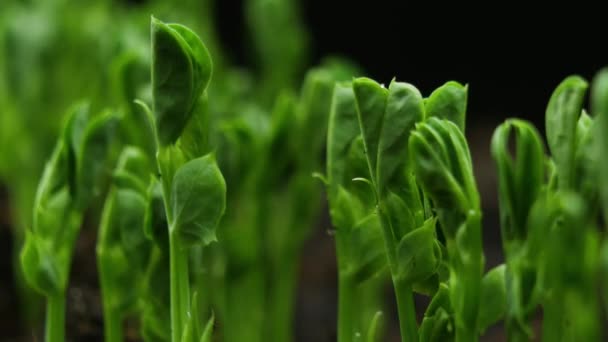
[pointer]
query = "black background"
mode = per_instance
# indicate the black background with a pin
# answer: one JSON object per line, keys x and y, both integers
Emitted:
{"x": 511, "y": 55}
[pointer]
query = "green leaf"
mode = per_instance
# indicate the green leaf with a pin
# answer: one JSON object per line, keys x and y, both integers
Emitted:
{"x": 39, "y": 266}
{"x": 438, "y": 325}
{"x": 442, "y": 165}
{"x": 493, "y": 298}
{"x": 342, "y": 131}
{"x": 587, "y": 159}
{"x": 520, "y": 177}
{"x": 181, "y": 71}
{"x": 194, "y": 139}
{"x": 418, "y": 253}
{"x": 366, "y": 256}
{"x": 198, "y": 201}
{"x": 404, "y": 108}
{"x": 344, "y": 207}
{"x": 562, "y": 114}
{"x": 72, "y": 135}
{"x": 207, "y": 335}
{"x": 373, "y": 333}
{"x": 312, "y": 116}
{"x": 448, "y": 102}
{"x": 92, "y": 159}
{"x": 155, "y": 220}
{"x": 371, "y": 100}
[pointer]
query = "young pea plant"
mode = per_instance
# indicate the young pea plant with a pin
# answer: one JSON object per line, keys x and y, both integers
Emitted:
{"x": 521, "y": 181}
{"x": 193, "y": 189}
{"x": 443, "y": 168}
{"x": 569, "y": 279}
{"x": 72, "y": 179}
{"x": 386, "y": 118}
{"x": 273, "y": 203}
{"x": 122, "y": 248}
{"x": 359, "y": 245}
{"x": 465, "y": 303}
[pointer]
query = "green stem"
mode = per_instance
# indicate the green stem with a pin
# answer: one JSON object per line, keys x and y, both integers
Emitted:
{"x": 55, "y": 319}
{"x": 514, "y": 332}
{"x": 346, "y": 297}
{"x": 180, "y": 289}
{"x": 112, "y": 324}
{"x": 463, "y": 334}
{"x": 403, "y": 291}
{"x": 406, "y": 310}
{"x": 281, "y": 300}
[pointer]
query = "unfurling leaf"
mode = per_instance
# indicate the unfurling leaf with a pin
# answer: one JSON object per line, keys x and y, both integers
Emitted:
{"x": 520, "y": 178}
{"x": 181, "y": 71}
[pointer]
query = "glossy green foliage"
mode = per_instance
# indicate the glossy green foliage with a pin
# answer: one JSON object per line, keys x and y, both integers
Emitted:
{"x": 351, "y": 204}
{"x": 443, "y": 167}
{"x": 418, "y": 253}
{"x": 181, "y": 71}
{"x": 198, "y": 201}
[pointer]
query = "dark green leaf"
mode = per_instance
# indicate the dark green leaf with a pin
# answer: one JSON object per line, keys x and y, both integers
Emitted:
{"x": 342, "y": 131}
{"x": 198, "y": 201}
{"x": 418, "y": 254}
{"x": 181, "y": 70}
{"x": 371, "y": 100}
{"x": 404, "y": 108}
{"x": 92, "y": 160}
{"x": 155, "y": 221}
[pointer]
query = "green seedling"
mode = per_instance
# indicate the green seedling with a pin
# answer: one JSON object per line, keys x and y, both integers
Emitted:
{"x": 71, "y": 181}
{"x": 194, "y": 191}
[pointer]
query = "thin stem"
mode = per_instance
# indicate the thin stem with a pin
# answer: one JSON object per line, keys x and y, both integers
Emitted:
{"x": 178, "y": 269}
{"x": 112, "y": 324}
{"x": 346, "y": 297}
{"x": 281, "y": 300}
{"x": 180, "y": 289}
{"x": 55, "y": 319}
{"x": 112, "y": 318}
{"x": 406, "y": 310}
{"x": 403, "y": 291}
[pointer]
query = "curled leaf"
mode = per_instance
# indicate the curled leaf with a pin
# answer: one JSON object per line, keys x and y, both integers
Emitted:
{"x": 563, "y": 111}
{"x": 520, "y": 178}
{"x": 181, "y": 71}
